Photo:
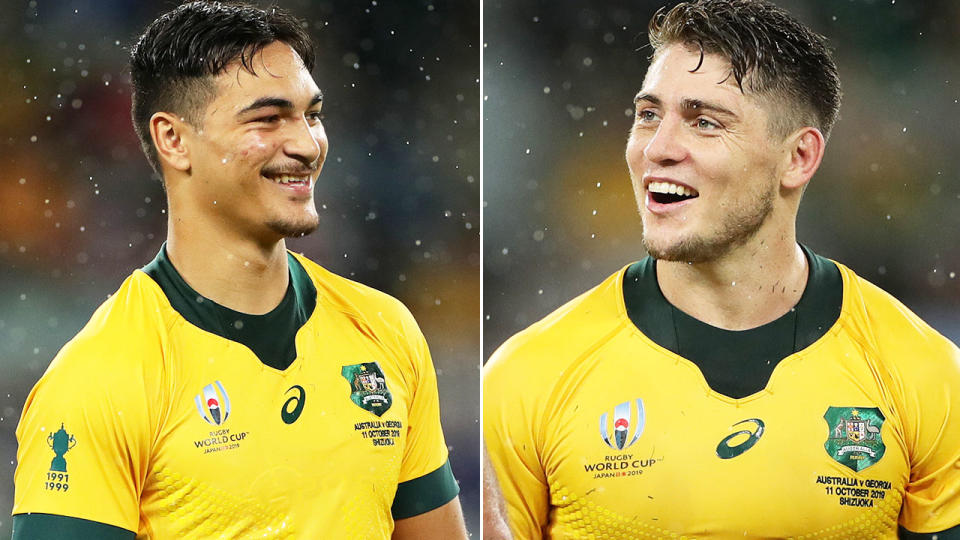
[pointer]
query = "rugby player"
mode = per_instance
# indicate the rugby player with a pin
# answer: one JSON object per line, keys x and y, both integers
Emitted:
{"x": 733, "y": 384}
{"x": 231, "y": 388}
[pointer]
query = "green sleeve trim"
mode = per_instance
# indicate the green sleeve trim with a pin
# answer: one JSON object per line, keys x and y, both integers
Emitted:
{"x": 953, "y": 533}
{"x": 40, "y": 526}
{"x": 421, "y": 495}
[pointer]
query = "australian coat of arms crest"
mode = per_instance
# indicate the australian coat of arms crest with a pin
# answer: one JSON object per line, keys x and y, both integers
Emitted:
{"x": 369, "y": 387}
{"x": 854, "y": 438}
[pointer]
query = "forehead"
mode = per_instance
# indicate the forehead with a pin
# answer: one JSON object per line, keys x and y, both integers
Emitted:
{"x": 677, "y": 72}
{"x": 278, "y": 71}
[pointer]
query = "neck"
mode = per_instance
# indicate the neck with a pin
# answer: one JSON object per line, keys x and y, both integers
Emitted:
{"x": 223, "y": 265}
{"x": 748, "y": 287}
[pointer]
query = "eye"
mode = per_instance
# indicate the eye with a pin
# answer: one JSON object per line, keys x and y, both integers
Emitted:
{"x": 703, "y": 123}
{"x": 646, "y": 116}
{"x": 269, "y": 119}
{"x": 315, "y": 116}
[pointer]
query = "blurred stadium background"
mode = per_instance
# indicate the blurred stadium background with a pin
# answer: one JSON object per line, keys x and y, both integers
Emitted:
{"x": 559, "y": 213}
{"x": 398, "y": 196}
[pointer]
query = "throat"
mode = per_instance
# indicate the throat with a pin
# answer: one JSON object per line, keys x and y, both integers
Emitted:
{"x": 738, "y": 300}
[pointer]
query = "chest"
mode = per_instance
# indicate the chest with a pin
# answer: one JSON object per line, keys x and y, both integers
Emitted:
{"x": 273, "y": 449}
{"x": 647, "y": 446}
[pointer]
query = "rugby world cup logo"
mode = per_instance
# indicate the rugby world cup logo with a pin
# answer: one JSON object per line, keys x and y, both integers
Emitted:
{"x": 628, "y": 417}
{"x": 213, "y": 407}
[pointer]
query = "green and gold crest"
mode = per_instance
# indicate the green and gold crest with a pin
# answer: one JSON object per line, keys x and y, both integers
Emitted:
{"x": 854, "y": 436}
{"x": 369, "y": 387}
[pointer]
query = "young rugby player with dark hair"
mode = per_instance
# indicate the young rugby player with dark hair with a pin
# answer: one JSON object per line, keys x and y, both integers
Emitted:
{"x": 230, "y": 388}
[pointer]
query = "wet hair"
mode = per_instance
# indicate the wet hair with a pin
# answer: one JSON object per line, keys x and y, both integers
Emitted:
{"x": 771, "y": 55}
{"x": 175, "y": 60}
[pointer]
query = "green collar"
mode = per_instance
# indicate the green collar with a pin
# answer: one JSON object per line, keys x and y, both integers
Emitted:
{"x": 271, "y": 336}
{"x": 734, "y": 363}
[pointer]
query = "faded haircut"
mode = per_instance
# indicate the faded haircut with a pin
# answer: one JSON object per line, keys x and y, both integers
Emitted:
{"x": 175, "y": 60}
{"x": 772, "y": 55}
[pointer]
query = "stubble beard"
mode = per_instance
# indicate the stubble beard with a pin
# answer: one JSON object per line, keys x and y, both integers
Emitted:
{"x": 735, "y": 230}
{"x": 294, "y": 229}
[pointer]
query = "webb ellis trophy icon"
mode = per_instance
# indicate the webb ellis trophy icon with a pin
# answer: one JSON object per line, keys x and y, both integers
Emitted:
{"x": 60, "y": 441}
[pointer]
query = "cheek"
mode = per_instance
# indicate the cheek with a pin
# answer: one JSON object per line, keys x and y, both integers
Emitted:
{"x": 634, "y": 153}
{"x": 320, "y": 135}
{"x": 256, "y": 148}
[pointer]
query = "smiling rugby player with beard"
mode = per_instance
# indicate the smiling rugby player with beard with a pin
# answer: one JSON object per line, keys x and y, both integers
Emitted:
{"x": 733, "y": 384}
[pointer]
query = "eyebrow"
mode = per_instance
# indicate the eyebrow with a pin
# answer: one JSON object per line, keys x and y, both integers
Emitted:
{"x": 279, "y": 102}
{"x": 689, "y": 104}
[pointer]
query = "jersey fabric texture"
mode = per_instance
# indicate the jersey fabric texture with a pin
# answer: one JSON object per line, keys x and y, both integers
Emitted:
{"x": 598, "y": 428}
{"x": 159, "y": 418}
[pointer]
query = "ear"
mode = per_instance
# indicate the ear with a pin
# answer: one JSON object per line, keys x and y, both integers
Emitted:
{"x": 168, "y": 132}
{"x": 806, "y": 147}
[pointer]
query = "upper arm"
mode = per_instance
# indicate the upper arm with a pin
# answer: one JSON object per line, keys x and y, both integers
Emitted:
{"x": 509, "y": 430}
{"x": 445, "y": 522}
{"x": 84, "y": 440}
{"x": 932, "y": 409}
{"x": 426, "y": 480}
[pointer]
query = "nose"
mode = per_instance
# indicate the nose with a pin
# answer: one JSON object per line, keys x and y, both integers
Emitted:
{"x": 306, "y": 143}
{"x": 666, "y": 146}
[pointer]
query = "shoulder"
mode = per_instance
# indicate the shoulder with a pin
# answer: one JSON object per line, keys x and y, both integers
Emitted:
{"x": 368, "y": 306}
{"x": 115, "y": 363}
{"x": 546, "y": 348}
{"x": 897, "y": 334}
{"x": 122, "y": 333}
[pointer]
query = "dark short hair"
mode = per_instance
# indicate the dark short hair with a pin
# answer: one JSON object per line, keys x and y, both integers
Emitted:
{"x": 176, "y": 58}
{"x": 770, "y": 52}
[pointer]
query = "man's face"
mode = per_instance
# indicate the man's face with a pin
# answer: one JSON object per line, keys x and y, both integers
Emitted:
{"x": 257, "y": 156}
{"x": 703, "y": 166}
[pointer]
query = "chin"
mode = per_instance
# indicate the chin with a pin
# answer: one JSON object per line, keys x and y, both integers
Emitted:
{"x": 688, "y": 250}
{"x": 294, "y": 229}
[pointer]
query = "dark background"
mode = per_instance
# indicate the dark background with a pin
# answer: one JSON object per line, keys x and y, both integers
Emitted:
{"x": 398, "y": 197}
{"x": 559, "y": 212}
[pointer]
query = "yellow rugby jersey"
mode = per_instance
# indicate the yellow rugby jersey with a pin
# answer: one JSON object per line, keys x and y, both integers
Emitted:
{"x": 149, "y": 421}
{"x": 598, "y": 430}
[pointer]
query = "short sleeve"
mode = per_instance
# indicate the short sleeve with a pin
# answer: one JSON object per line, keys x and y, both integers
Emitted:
{"x": 932, "y": 404}
{"x": 84, "y": 438}
{"x": 426, "y": 480}
{"x": 509, "y": 430}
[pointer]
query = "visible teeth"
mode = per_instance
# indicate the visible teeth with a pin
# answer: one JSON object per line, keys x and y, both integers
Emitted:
{"x": 671, "y": 188}
{"x": 286, "y": 179}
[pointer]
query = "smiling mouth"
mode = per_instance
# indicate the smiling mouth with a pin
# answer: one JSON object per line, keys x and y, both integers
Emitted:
{"x": 669, "y": 193}
{"x": 285, "y": 179}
